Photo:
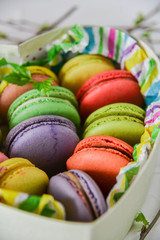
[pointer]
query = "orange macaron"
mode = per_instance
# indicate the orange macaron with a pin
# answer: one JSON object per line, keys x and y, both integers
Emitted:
{"x": 101, "y": 157}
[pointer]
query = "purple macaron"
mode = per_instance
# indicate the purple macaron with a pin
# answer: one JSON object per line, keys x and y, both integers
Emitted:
{"x": 47, "y": 141}
{"x": 80, "y": 195}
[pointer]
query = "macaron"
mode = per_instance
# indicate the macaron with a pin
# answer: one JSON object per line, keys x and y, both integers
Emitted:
{"x": 3, "y": 157}
{"x": 101, "y": 157}
{"x": 0, "y": 136}
{"x": 79, "y": 69}
{"x": 106, "y": 88}
{"x": 79, "y": 194}
{"x": 9, "y": 92}
{"x": 121, "y": 120}
{"x": 19, "y": 174}
{"x": 57, "y": 101}
{"x": 47, "y": 141}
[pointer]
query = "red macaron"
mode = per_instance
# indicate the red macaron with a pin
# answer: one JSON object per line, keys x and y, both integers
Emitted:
{"x": 101, "y": 157}
{"x": 106, "y": 88}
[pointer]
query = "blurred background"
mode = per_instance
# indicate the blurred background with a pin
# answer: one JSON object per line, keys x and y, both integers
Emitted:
{"x": 21, "y": 20}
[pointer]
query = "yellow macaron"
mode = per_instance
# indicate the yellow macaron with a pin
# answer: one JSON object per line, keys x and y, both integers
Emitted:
{"x": 79, "y": 69}
{"x": 21, "y": 175}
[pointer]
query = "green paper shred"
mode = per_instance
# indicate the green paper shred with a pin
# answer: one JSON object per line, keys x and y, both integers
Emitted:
{"x": 30, "y": 204}
{"x": 155, "y": 133}
{"x": 129, "y": 176}
{"x": 47, "y": 211}
{"x": 117, "y": 196}
{"x": 74, "y": 37}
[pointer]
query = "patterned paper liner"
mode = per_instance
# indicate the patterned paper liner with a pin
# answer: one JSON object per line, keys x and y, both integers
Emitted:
{"x": 44, "y": 205}
{"x": 127, "y": 51}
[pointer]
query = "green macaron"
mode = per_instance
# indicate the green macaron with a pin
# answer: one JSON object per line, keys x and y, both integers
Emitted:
{"x": 121, "y": 120}
{"x": 57, "y": 101}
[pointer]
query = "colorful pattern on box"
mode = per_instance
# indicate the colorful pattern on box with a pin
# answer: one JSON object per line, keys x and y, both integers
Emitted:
{"x": 44, "y": 205}
{"x": 127, "y": 51}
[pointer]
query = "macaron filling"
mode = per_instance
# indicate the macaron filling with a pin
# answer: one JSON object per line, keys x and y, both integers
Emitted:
{"x": 74, "y": 182}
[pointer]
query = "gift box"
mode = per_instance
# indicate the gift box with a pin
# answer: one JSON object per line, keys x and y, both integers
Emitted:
{"x": 127, "y": 196}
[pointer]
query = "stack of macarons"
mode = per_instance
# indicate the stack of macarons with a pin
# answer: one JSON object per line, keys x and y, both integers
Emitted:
{"x": 75, "y": 137}
{"x": 9, "y": 92}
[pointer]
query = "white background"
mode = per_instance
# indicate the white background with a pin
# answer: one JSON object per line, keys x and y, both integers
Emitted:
{"x": 89, "y": 12}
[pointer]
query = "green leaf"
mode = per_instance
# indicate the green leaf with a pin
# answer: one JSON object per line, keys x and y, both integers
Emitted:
{"x": 3, "y": 62}
{"x": 3, "y": 35}
{"x": 146, "y": 34}
{"x": 40, "y": 62}
{"x": 19, "y": 76}
{"x": 43, "y": 86}
{"x": 44, "y": 27}
{"x": 139, "y": 19}
{"x": 141, "y": 218}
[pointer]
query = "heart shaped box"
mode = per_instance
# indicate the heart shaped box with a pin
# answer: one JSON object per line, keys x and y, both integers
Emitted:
{"x": 115, "y": 223}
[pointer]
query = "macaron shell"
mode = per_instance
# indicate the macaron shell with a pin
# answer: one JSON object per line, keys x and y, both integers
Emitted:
{"x": 110, "y": 92}
{"x": 58, "y": 101}
{"x": 65, "y": 191}
{"x": 101, "y": 141}
{"x": 116, "y": 109}
{"x": 20, "y": 175}
{"x": 45, "y": 106}
{"x": 107, "y": 88}
{"x": 47, "y": 141}
{"x": 92, "y": 192}
{"x": 128, "y": 129}
{"x": 103, "y": 165}
{"x": 71, "y": 75}
{"x": 0, "y": 136}
{"x": 104, "y": 77}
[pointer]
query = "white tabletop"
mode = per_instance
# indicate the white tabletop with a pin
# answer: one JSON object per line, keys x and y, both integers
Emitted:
{"x": 88, "y": 12}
